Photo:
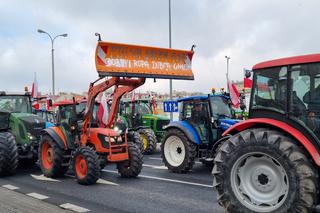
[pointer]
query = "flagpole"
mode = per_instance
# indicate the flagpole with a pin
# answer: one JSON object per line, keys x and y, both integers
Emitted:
{"x": 227, "y": 74}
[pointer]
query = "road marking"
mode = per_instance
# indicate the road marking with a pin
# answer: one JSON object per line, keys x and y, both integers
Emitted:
{"x": 11, "y": 187}
{"x": 153, "y": 158}
{"x": 37, "y": 196}
{"x": 155, "y": 167}
{"x": 44, "y": 178}
{"x": 75, "y": 208}
{"x": 165, "y": 179}
{"x": 102, "y": 181}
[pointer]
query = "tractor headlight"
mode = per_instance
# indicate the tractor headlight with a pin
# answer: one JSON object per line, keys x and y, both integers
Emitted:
{"x": 116, "y": 129}
{"x": 109, "y": 138}
{"x": 30, "y": 137}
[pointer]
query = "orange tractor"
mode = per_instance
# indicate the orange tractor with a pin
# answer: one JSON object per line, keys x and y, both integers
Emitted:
{"x": 85, "y": 147}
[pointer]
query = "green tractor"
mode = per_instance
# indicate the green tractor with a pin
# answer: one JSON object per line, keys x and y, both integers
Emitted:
{"x": 140, "y": 115}
{"x": 19, "y": 132}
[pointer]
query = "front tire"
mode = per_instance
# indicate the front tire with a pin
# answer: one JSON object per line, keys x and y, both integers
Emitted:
{"x": 8, "y": 154}
{"x": 261, "y": 170}
{"x": 178, "y": 152}
{"x": 86, "y": 165}
{"x": 131, "y": 167}
{"x": 54, "y": 161}
{"x": 149, "y": 141}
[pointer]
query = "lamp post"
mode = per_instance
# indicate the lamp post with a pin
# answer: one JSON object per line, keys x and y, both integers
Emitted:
{"x": 227, "y": 74}
{"x": 52, "y": 54}
{"x": 170, "y": 81}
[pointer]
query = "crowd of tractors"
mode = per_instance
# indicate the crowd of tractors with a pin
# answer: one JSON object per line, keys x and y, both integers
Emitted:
{"x": 268, "y": 162}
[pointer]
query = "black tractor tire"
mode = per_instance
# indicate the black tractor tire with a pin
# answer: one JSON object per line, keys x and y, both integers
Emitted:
{"x": 8, "y": 154}
{"x": 56, "y": 163}
{"x": 135, "y": 137}
{"x": 86, "y": 166}
{"x": 133, "y": 166}
{"x": 190, "y": 154}
{"x": 151, "y": 141}
{"x": 232, "y": 164}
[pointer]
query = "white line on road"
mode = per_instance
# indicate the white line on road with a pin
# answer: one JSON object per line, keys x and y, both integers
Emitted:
{"x": 155, "y": 167}
{"x": 11, "y": 187}
{"x": 37, "y": 196}
{"x": 100, "y": 181}
{"x": 166, "y": 179}
{"x": 153, "y": 158}
{"x": 75, "y": 208}
{"x": 42, "y": 177}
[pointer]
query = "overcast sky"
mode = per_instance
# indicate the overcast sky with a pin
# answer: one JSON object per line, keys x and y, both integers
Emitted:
{"x": 249, "y": 31}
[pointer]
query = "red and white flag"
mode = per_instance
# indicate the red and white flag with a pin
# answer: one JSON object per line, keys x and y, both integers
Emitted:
{"x": 234, "y": 94}
{"x": 103, "y": 111}
{"x": 34, "y": 91}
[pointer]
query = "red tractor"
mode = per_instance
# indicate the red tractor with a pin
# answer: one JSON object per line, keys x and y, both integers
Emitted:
{"x": 128, "y": 66}
{"x": 270, "y": 162}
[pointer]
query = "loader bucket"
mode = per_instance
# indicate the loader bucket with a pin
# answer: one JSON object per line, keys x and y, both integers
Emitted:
{"x": 124, "y": 60}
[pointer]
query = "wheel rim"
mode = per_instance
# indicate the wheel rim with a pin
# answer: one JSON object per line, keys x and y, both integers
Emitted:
{"x": 259, "y": 182}
{"x": 174, "y": 151}
{"x": 145, "y": 141}
{"x": 81, "y": 167}
{"x": 47, "y": 155}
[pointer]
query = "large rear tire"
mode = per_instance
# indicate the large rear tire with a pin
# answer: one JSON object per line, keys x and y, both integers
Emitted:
{"x": 133, "y": 166}
{"x": 86, "y": 165}
{"x": 177, "y": 151}
{"x": 261, "y": 170}
{"x": 54, "y": 161}
{"x": 149, "y": 141}
{"x": 8, "y": 154}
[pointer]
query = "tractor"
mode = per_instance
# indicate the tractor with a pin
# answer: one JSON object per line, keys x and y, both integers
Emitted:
{"x": 47, "y": 115}
{"x": 19, "y": 132}
{"x": 140, "y": 115}
{"x": 124, "y": 68}
{"x": 202, "y": 120}
{"x": 270, "y": 162}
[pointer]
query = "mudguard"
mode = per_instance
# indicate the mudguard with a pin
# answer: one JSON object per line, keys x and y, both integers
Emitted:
{"x": 56, "y": 134}
{"x": 279, "y": 125}
{"x": 186, "y": 128}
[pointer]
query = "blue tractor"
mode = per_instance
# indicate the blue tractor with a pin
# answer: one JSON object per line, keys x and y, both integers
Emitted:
{"x": 202, "y": 120}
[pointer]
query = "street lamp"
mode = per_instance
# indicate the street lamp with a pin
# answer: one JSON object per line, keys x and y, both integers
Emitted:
{"x": 227, "y": 74}
{"x": 170, "y": 81}
{"x": 52, "y": 53}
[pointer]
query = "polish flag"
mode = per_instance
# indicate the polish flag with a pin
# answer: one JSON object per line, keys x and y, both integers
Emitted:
{"x": 34, "y": 91}
{"x": 247, "y": 83}
{"x": 234, "y": 95}
{"x": 103, "y": 111}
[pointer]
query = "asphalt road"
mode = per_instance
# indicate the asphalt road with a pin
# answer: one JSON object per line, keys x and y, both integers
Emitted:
{"x": 155, "y": 190}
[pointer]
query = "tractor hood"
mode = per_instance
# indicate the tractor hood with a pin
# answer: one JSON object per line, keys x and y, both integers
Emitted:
{"x": 33, "y": 123}
{"x": 226, "y": 123}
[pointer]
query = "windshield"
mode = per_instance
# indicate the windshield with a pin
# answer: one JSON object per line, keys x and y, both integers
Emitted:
{"x": 15, "y": 103}
{"x": 220, "y": 106}
{"x": 139, "y": 108}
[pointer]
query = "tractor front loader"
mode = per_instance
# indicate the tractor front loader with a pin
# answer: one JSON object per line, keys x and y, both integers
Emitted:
{"x": 128, "y": 66}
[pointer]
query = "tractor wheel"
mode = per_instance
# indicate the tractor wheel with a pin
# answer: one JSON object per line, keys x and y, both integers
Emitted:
{"x": 177, "y": 152}
{"x": 54, "y": 161}
{"x": 86, "y": 166}
{"x": 136, "y": 138}
{"x": 8, "y": 154}
{"x": 133, "y": 166}
{"x": 261, "y": 170}
{"x": 149, "y": 141}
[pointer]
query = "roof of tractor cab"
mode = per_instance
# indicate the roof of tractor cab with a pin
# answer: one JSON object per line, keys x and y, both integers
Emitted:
{"x": 201, "y": 97}
{"x": 312, "y": 58}
{"x": 3, "y": 93}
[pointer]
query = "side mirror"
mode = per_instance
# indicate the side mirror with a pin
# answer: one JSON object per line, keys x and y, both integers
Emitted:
{"x": 247, "y": 73}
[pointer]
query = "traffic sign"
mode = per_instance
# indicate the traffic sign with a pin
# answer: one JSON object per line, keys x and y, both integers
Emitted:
{"x": 170, "y": 106}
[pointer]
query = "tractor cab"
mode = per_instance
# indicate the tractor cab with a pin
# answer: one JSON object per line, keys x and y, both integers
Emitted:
{"x": 209, "y": 115}
{"x": 290, "y": 94}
